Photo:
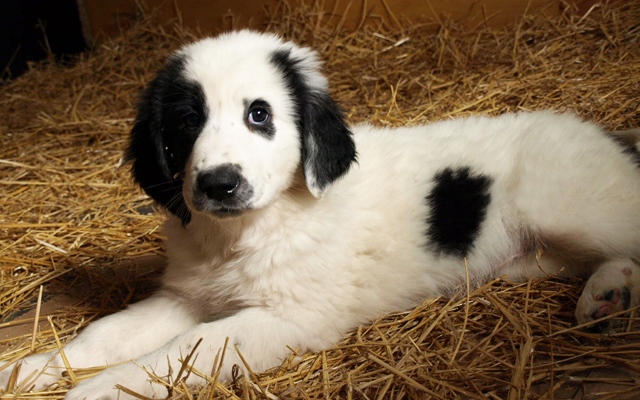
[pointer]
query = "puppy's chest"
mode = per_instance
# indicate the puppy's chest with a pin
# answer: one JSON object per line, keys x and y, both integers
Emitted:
{"x": 201, "y": 276}
{"x": 220, "y": 282}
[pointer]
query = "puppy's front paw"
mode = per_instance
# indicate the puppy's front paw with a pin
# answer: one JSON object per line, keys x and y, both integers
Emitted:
{"x": 38, "y": 372}
{"x": 614, "y": 287}
{"x": 104, "y": 386}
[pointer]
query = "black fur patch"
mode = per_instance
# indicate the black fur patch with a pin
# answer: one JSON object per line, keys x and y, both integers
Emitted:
{"x": 326, "y": 143}
{"x": 164, "y": 133}
{"x": 266, "y": 130}
{"x": 626, "y": 298}
{"x": 627, "y": 148}
{"x": 458, "y": 204}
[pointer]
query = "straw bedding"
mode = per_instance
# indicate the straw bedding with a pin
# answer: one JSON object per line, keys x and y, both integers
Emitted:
{"x": 73, "y": 222}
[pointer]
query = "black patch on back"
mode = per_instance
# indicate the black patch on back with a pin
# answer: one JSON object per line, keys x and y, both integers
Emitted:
{"x": 458, "y": 204}
{"x": 160, "y": 142}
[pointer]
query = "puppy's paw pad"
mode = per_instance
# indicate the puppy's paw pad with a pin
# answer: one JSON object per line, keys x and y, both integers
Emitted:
{"x": 611, "y": 296}
{"x": 602, "y": 311}
{"x": 611, "y": 301}
{"x": 603, "y": 304}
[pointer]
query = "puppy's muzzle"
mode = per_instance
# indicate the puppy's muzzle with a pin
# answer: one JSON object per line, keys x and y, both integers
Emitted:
{"x": 222, "y": 190}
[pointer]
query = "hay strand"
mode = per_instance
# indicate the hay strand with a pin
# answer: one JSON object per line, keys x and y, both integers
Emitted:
{"x": 36, "y": 319}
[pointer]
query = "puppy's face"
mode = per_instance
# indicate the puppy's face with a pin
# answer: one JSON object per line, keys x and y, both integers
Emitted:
{"x": 228, "y": 121}
{"x": 246, "y": 146}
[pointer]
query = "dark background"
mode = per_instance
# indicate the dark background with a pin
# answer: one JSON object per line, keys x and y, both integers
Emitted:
{"x": 32, "y": 30}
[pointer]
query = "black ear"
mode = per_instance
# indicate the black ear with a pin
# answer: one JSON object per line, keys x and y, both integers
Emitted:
{"x": 153, "y": 164}
{"x": 326, "y": 141}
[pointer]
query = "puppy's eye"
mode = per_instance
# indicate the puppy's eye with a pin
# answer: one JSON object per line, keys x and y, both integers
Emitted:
{"x": 191, "y": 121}
{"x": 258, "y": 116}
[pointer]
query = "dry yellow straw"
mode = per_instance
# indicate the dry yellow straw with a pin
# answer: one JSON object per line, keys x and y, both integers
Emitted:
{"x": 36, "y": 319}
{"x": 72, "y": 375}
{"x": 73, "y": 221}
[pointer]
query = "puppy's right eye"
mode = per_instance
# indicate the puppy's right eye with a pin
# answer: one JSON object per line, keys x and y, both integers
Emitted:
{"x": 191, "y": 121}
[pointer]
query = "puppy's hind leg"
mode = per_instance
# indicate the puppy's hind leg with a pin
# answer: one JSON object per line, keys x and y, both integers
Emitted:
{"x": 581, "y": 196}
{"x": 546, "y": 263}
{"x": 600, "y": 238}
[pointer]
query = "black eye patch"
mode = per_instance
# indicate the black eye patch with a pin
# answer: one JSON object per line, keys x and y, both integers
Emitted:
{"x": 183, "y": 114}
{"x": 259, "y": 119}
{"x": 191, "y": 121}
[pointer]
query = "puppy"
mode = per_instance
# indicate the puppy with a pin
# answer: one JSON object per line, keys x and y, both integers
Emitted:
{"x": 289, "y": 228}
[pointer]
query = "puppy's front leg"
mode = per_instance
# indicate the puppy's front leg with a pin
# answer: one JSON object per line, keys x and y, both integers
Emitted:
{"x": 261, "y": 335}
{"x": 125, "y": 335}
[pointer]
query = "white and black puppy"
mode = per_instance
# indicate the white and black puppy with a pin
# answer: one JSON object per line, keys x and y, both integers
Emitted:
{"x": 279, "y": 239}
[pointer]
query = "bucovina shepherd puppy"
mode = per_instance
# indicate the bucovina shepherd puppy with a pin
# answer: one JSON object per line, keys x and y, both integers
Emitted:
{"x": 290, "y": 228}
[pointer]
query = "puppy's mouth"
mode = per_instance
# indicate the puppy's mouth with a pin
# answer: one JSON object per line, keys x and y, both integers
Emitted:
{"x": 200, "y": 205}
{"x": 226, "y": 212}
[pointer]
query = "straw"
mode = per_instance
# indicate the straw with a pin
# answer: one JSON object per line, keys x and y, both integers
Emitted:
{"x": 73, "y": 221}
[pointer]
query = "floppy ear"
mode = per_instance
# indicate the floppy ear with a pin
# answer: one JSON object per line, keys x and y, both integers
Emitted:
{"x": 327, "y": 145}
{"x": 152, "y": 165}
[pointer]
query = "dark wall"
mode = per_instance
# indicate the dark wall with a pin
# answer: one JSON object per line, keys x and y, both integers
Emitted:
{"x": 31, "y": 30}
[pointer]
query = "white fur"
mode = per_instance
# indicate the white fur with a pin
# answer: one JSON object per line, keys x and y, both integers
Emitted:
{"x": 306, "y": 270}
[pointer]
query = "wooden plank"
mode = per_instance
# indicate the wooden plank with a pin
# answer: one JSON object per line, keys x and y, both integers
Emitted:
{"x": 110, "y": 16}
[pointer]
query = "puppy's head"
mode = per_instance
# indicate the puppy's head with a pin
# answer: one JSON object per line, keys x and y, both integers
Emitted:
{"x": 226, "y": 123}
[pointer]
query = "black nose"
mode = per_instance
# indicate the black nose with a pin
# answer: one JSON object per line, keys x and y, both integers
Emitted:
{"x": 220, "y": 183}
